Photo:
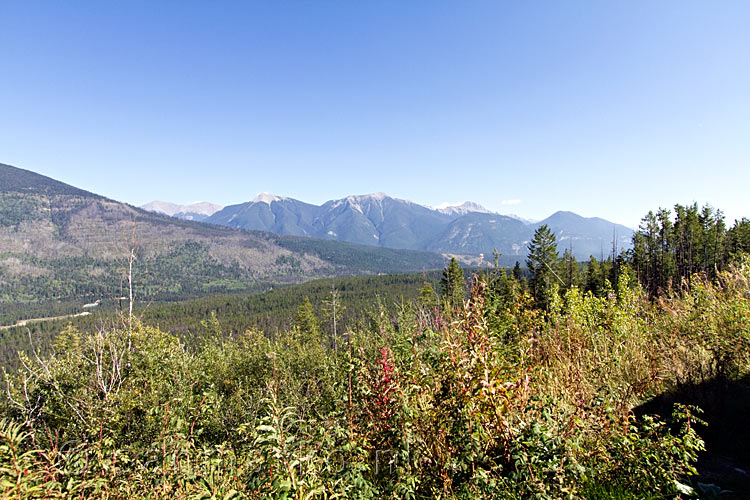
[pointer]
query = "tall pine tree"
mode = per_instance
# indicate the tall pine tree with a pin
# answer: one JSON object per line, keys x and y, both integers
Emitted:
{"x": 452, "y": 283}
{"x": 541, "y": 261}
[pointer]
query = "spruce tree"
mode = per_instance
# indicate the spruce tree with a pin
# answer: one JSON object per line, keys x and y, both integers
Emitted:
{"x": 452, "y": 283}
{"x": 568, "y": 269}
{"x": 541, "y": 261}
{"x": 593, "y": 277}
{"x": 516, "y": 273}
{"x": 306, "y": 323}
{"x": 427, "y": 296}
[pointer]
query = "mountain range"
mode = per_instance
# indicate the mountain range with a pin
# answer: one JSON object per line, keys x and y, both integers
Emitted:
{"x": 58, "y": 242}
{"x": 380, "y": 220}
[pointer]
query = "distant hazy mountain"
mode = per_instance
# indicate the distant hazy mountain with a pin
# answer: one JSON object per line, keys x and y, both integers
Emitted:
{"x": 459, "y": 228}
{"x": 60, "y": 242}
{"x": 475, "y": 233}
{"x": 270, "y": 213}
{"x": 522, "y": 219}
{"x": 587, "y": 236}
{"x": 377, "y": 219}
{"x": 198, "y": 211}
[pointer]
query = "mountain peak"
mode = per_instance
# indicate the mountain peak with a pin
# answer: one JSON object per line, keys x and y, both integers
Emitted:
{"x": 267, "y": 198}
{"x": 379, "y": 196}
{"x": 522, "y": 219}
{"x": 461, "y": 208}
{"x": 202, "y": 207}
{"x": 163, "y": 207}
{"x": 167, "y": 208}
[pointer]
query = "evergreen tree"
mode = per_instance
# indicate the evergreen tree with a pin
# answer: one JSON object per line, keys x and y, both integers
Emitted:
{"x": 593, "y": 276}
{"x": 541, "y": 261}
{"x": 666, "y": 265}
{"x": 688, "y": 236}
{"x": 516, "y": 274}
{"x": 306, "y": 323}
{"x": 568, "y": 269}
{"x": 501, "y": 291}
{"x": 452, "y": 283}
{"x": 649, "y": 245}
{"x": 427, "y": 296}
{"x": 666, "y": 252}
{"x": 714, "y": 233}
{"x": 738, "y": 238}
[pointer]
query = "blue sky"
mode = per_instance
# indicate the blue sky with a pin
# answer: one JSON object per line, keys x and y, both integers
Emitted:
{"x": 604, "y": 108}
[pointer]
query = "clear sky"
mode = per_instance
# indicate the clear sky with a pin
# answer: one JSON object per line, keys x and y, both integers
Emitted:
{"x": 604, "y": 108}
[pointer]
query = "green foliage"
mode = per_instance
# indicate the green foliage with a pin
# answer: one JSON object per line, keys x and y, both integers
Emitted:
{"x": 508, "y": 394}
{"x": 738, "y": 238}
{"x": 649, "y": 456}
{"x": 427, "y": 296}
{"x": 186, "y": 270}
{"x": 359, "y": 259}
{"x": 271, "y": 312}
{"x": 493, "y": 399}
{"x": 569, "y": 270}
{"x": 712, "y": 317}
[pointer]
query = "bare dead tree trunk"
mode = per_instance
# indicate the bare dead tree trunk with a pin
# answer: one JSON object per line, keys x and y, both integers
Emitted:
{"x": 333, "y": 306}
{"x": 131, "y": 258}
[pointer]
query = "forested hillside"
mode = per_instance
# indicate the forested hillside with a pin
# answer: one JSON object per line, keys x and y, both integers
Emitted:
{"x": 271, "y": 312}
{"x": 58, "y": 243}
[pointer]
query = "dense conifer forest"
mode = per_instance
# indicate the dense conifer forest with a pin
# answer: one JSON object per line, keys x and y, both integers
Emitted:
{"x": 271, "y": 312}
{"x": 618, "y": 378}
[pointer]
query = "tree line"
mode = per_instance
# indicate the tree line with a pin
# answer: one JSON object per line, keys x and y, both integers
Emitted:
{"x": 669, "y": 249}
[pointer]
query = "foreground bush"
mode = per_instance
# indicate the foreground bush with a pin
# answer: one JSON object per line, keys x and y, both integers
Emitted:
{"x": 490, "y": 399}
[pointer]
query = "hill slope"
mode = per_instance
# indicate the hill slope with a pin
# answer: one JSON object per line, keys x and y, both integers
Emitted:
{"x": 60, "y": 242}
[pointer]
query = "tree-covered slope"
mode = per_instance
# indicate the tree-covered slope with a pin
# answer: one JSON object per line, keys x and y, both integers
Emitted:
{"x": 270, "y": 311}
{"x": 59, "y": 242}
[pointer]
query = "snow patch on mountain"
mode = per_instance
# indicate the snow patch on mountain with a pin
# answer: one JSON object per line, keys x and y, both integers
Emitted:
{"x": 519, "y": 218}
{"x": 461, "y": 208}
{"x": 267, "y": 198}
{"x": 168, "y": 208}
